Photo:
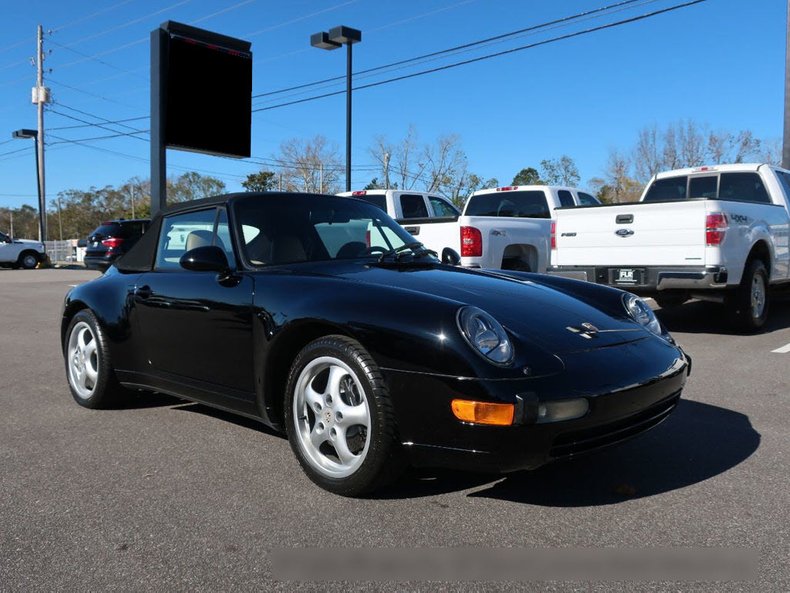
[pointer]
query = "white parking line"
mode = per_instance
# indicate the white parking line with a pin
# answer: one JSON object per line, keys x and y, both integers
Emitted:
{"x": 783, "y": 350}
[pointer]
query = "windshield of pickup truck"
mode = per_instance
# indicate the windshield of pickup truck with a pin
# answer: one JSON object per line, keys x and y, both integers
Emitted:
{"x": 518, "y": 204}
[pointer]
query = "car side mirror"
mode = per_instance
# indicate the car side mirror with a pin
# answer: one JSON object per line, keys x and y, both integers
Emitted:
{"x": 208, "y": 258}
{"x": 450, "y": 257}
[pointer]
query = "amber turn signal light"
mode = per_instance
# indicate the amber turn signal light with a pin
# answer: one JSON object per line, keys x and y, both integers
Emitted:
{"x": 482, "y": 412}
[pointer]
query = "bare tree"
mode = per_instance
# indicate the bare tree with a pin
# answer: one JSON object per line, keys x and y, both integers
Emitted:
{"x": 439, "y": 167}
{"x": 445, "y": 165}
{"x": 620, "y": 186}
{"x": 691, "y": 141}
{"x": 648, "y": 157}
{"x": 310, "y": 165}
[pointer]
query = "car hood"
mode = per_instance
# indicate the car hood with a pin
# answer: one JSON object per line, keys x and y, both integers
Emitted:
{"x": 530, "y": 311}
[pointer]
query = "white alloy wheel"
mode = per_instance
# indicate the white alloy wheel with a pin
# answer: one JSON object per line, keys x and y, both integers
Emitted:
{"x": 331, "y": 416}
{"x": 82, "y": 359}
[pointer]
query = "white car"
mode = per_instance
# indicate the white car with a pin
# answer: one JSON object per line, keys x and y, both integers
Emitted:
{"x": 21, "y": 253}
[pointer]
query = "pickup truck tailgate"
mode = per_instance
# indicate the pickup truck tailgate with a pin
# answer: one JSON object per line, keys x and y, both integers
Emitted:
{"x": 639, "y": 234}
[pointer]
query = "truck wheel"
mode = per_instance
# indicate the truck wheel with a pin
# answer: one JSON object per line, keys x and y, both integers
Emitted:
{"x": 516, "y": 264}
{"x": 749, "y": 302}
{"x": 339, "y": 418}
{"x": 27, "y": 260}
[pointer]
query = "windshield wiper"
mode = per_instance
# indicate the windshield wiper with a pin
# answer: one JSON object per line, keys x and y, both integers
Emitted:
{"x": 416, "y": 248}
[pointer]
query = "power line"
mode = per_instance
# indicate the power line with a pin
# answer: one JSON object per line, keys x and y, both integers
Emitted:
{"x": 117, "y": 121}
{"x": 103, "y": 127}
{"x": 119, "y": 135}
{"x": 142, "y": 159}
{"x": 456, "y": 48}
{"x": 84, "y": 92}
{"x": 489, "y": 56}
{"x": 94, "y": 58}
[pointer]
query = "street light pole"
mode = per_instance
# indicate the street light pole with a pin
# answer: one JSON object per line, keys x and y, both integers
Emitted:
{"x": 333, "y": 39}
{"x": 42, "y": 213}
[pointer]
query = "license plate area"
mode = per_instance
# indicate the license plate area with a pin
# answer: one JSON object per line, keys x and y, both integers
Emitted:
{"x": 627, "y": 276}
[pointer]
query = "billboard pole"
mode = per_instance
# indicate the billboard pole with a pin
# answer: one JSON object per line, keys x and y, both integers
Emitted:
{"x": 158, "y": 113}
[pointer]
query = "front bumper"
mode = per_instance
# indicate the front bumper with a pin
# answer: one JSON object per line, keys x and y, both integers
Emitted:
{"x": 630, "y": 388}
{"x": 649, "y": 279}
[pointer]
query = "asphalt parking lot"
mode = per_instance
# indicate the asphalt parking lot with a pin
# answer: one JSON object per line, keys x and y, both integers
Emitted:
{"x": 166, "y": 495}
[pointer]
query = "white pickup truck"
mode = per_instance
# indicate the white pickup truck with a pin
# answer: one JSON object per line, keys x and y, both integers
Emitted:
{"x": 501, "y": 228}
{"x": 21, "y": 253}
{"x": 718, "y": 233}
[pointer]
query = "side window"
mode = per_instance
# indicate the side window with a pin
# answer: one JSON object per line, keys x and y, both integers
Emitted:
{"x": 703, "y": 187}
{"x": 588, "y": 200}
{"x": 784, "y": 179}
{"x": 566, "y": 198}
{"x": 413, "y": 206}
{"x": 223, "y": 237}
{"x": 4, "y": 238}
{"x": 442, "y": 207}
{"x": 182, "y": 232}
{"x": 747, "y": 187}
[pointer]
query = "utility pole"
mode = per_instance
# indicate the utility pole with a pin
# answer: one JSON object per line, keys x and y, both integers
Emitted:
{"x": 41, "y": 98}
{"x": 321, "y": 177}
{"x": 131, "y": 189}
{"x": 387, "y": 167}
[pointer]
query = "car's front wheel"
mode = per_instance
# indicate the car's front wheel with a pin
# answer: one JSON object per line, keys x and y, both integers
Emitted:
{"x": 88, "y": 366}
{"x": 339, "y": 418}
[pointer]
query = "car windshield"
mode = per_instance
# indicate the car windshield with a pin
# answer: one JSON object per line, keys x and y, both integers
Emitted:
{"x": 297, "y": 228}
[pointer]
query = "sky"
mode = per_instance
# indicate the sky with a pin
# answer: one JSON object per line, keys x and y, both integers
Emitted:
{"x": 719, "y": 63}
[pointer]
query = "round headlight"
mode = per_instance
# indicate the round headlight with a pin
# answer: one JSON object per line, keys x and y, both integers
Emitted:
{"x": 486, "y": 336}
{"x": 641, "y": 312}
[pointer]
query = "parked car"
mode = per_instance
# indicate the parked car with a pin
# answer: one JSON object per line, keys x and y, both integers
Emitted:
{"x": 717, "y": 233}
{"x": 111, "y": 239}
{"x": 320, "y": 316}
{"x": 21, "y": 253}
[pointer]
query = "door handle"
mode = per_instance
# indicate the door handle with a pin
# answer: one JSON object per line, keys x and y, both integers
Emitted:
{"x": 143, "y": 291}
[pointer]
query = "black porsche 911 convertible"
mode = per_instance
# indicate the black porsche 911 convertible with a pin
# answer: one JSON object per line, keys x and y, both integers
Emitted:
{"x": 323, "y": 318}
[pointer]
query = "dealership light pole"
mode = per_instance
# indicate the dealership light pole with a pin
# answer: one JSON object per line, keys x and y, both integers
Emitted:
{"x": 333, "y": 39}
{"x": 42, "y": 209}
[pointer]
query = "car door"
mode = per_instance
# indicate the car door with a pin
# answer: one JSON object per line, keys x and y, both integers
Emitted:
{"x": 197, "y": 326}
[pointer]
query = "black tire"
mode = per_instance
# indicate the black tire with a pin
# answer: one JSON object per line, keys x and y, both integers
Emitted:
{"x": 373, "y": 456}
{"x": 28, "y": 260}
{"x": 515, "y": 264}
{"x": 669, "y": 301}
{"x": 89, "y": 369}
{"x": 749, "y": 302}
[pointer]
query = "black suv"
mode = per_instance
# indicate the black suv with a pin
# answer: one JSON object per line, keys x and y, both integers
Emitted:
{"x": 111, "y": 240}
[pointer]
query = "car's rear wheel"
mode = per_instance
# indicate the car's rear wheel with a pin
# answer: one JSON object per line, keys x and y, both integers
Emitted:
{"x": 339, "y": 418}
{"x": 28, "y": 260}
{"x": 88, "y": 365}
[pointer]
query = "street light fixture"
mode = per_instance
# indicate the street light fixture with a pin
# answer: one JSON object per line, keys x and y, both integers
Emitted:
{"x": 333, "y": 39}
{"x": 42, "y": 208}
